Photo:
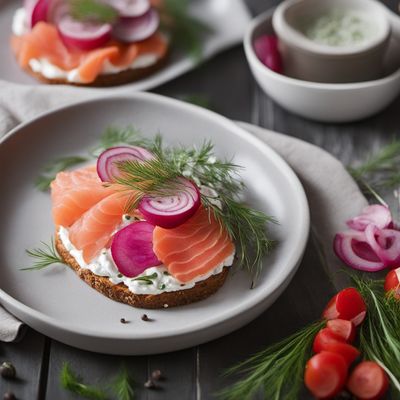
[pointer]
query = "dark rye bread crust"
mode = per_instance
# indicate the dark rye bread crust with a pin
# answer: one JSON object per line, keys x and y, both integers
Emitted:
{"x": 107, "y": 80}
{"x": 121, "y": 293}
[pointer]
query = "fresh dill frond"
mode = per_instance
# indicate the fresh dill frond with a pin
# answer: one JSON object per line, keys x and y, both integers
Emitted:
{"x": 123, "y": 385}
{"x": 246, "y": 226}
{"x": 93, "y": 10}
{"x": 380, "y": 331}
{"x": 44, "y": 257}
{"x": 72, "y": 382}
{"x": 381, "y": 170}
{"x": 116, "y": 136}
{"x": 50, "y": 171}
{"x": 187, "y": 31}
{"x": 276, "y": 372}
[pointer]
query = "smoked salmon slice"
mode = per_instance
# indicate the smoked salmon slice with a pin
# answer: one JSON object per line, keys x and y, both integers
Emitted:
{"x": 44, "y": 42}
{"x": 75, "y": 192}
{"x": 93, "y": 230}
{"x": 193, "y": 248}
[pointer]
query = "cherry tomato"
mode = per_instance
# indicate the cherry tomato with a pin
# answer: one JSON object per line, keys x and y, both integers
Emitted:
{"x": 325, "y": 374}
{"x": 324, "y": 337}
{"x": 368, "y": 381}
{"x": 348, "y": 304}
{"x": 392, "y": 283}
{"x": 347, "y": 351}
{"x": 342, "y": 328}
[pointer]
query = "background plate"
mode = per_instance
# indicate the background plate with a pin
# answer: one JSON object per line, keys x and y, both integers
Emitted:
{"x": 57, "y": 303}
{"x": 227, "y": 19}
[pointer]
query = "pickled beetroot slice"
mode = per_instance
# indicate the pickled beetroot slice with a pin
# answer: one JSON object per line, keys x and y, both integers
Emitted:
{"x": 136, "y": 29}
{"x": 130, "y": 8}
{"x": 172, "y": 211}
{"x": 267, "y": 51}
{"x": 107, "y": 163}
{"x": 132, "y": 249}
{"x": 37, "y": 10}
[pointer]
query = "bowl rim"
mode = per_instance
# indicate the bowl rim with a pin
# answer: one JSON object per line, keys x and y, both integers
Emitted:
{"x": 286, "y": 32}
{"x": 255, "y": 62}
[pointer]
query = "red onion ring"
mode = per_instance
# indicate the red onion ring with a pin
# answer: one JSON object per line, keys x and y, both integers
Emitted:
{"x": 376, "y": 214}
{"x": 171, "y": 211}
{"x": 130, "y": 8}
{"x": 132, "y": 249}
{"x": 83, "y": 35}
{"x": 385, "y": 243}
{"x": 135, "y": 29}
{"x": 37, "y": 10}
{"x": 107, "y": 163}
{"x": 355, "y": 251}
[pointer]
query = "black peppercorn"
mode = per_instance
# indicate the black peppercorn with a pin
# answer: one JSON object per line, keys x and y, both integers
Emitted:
{"x": 7, "y": 370}
{"x": 123, "y": 321}
{"x": 9, "y": 396}
{"x": 150, "y": 384}
{"x": 157, "y": 375}
{"x": 145, "y": 318}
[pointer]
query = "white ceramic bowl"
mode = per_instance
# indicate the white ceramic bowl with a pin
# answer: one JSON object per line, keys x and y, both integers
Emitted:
{"x": 327, "y": 102}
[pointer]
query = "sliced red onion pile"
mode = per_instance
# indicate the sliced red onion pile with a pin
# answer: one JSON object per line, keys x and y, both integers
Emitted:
{"x": 107, "y": 163}
{"x": 372, "y": 243}
{"x": 137, "y": 21}
{"x": 132, "y": 249}
{"x": 267, "y": 51}
{"x": 171, "y": 211}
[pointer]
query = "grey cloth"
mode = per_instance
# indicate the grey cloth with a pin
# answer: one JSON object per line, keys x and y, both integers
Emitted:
{"x": 332, "y": 194}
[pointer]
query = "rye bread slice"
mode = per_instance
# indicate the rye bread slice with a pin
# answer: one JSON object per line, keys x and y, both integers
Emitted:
{"x": 121, "y": 293}
{"x": 106, "y": 80}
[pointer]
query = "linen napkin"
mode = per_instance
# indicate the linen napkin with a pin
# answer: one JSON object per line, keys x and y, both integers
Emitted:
{"x": 332, "y": 194}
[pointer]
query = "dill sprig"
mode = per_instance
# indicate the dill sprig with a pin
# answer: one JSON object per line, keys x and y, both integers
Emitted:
{"x": 70, "y": 381}
{"x": 277, "y": 371}
{"x": 53, "y": 168}
{"x": 44, "y": 257}
{"x": 187, "y": 31}
{"x": 114, "y": 136}
{"x": 123, "y": 385}
{"x": 381, "y": 170}
{"x": 93, "y": 10}
{"x": 380, "y": 331}
{"x": 157, "y": 177}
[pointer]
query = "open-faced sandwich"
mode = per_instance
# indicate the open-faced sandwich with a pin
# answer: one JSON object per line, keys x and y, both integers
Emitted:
{"x": 94, "y": 42}
{"x": 155, "y": 226}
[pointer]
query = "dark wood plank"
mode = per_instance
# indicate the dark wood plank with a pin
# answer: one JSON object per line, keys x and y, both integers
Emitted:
{"x": 29, "y": 358}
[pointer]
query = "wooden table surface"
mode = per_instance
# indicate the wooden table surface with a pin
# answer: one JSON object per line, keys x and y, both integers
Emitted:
{"x": 196, "y": 373}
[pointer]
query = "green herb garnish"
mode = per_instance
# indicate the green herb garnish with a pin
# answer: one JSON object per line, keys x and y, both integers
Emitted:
{"x": 277, "y": 372}
{"x": 380, "y": 171}
{"x": 246, "y": 226}
{"x": 70, "y": 381}
{"x": 93, "y": 11}
{"x": 162, "y": 287}
{"x": 44, "y": 257}
{"x": 380, "y": 331}
{"x": 147, "y": 279}
{"x": 187, "y": 31}
{"x": 123, "y": 386}
{"x": 114, "y": 136}
{"x": 51, "y": 170}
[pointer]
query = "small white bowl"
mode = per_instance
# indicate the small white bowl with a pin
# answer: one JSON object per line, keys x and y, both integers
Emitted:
{"x": 313, "y": 61}
{"x": 327, "y": 102}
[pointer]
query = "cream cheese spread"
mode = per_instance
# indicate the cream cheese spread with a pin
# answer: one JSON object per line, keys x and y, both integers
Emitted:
{"x": 50, "y": 71}
{"x": 161, "y": 280}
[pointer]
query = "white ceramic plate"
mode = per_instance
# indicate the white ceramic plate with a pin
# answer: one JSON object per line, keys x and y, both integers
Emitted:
{"x": 57, "y": 303}
{"x": 227, "y": 19}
